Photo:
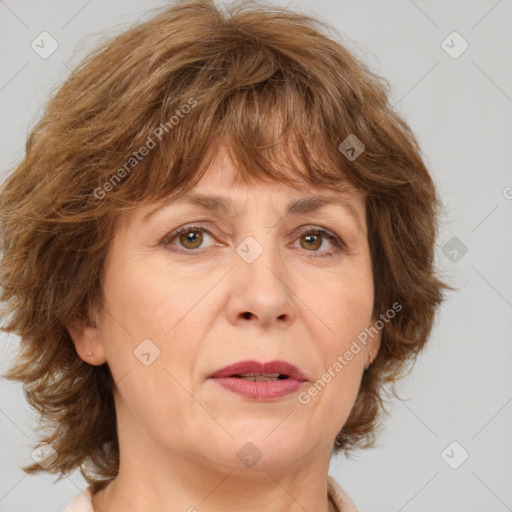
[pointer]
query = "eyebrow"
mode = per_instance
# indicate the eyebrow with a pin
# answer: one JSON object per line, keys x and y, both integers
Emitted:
{"x": 222, "y": 206}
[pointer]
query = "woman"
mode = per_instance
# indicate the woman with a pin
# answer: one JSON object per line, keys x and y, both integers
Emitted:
{"x": 217, "y": 252}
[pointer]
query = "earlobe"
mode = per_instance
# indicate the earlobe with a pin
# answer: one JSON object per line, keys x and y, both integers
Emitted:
{"x": 373, "y": 346}
{"x": 87, "y": 340}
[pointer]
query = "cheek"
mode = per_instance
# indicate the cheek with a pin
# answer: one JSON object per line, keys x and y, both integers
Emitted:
{"x": 340, "y": 308}
{"x": 150, "y": 347}
{"x": 149, "y": 335}
{"x": 149, "y": 299}
{"x": 342, "y": 311}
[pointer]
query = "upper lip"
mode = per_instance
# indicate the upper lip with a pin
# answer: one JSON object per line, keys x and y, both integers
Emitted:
{"x": 281, "y": 367}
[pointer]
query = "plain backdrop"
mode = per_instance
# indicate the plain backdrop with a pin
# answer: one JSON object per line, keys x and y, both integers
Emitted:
{"x": 458, "y": 401}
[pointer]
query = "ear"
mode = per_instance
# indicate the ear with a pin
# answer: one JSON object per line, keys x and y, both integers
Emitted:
{"x": 87, "y": 340}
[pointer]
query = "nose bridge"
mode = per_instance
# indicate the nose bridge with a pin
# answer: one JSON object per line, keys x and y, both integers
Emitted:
{"x": 261, "y": 279}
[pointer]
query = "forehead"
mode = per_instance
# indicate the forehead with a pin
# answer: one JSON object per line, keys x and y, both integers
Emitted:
{"x": 223, "y": 190}
{"x": 223, "y": 174}
{"x": 220, "y": 192}
{"x": 222, "y": 178}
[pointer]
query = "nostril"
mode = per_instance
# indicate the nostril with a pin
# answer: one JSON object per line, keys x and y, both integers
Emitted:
{"x": 247, "y": 314}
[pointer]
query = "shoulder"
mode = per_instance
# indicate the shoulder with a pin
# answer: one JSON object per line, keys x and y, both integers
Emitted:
{"x": 339, "y": 496}
{"x": 81, "y": 502}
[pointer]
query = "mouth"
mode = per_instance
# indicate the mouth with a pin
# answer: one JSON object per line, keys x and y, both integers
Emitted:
{"x": 260, "y": 381}
{"x": 260, "y": 372}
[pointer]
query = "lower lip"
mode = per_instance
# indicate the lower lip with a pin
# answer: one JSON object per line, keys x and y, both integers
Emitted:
{"x": 260, "y": 390}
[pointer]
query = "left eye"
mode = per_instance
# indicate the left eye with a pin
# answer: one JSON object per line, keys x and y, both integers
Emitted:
{"x": 311, "y": 239}
{"x": 314, "y": 238}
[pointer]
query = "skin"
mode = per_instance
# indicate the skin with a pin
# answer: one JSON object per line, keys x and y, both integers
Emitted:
{"x": 179, "y": 432}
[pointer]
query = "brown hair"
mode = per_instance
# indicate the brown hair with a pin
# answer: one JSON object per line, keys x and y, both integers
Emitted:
{"x": 284, "y": 94}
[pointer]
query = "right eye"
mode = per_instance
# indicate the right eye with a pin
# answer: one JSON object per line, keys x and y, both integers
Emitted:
{"x": 189, "y": 237}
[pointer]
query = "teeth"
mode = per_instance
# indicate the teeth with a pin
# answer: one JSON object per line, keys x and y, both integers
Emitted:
{"x": 258, "y": 374}
{"x": 258, "y": 378}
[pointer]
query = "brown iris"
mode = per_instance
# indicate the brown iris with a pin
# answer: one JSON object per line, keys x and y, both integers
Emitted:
{"x": 317, "y": 242}
{"x": 193, "y": 237}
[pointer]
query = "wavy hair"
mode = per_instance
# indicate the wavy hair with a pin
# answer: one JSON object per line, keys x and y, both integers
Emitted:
{"x": 284, "y": 94}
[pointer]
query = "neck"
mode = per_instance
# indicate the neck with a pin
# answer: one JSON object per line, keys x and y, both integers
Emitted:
{"x": 195, "y": 487}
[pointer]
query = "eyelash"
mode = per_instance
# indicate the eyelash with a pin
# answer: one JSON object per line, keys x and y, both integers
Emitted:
{"x": 337, "y": 241}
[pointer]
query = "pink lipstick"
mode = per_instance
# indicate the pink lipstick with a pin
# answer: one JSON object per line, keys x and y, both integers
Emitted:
{"x": 260, "y": 381}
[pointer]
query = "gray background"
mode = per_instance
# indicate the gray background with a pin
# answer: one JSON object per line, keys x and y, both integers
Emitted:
{"x": 460, "y": 108}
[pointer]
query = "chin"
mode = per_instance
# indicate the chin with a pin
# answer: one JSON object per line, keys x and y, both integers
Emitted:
{"x": 257, "y": 450}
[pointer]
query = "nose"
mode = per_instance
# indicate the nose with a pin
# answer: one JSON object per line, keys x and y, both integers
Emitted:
{"x": 261, "y": 285}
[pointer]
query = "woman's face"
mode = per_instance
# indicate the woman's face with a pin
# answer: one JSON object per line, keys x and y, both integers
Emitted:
{"x": 176, "y": 310}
